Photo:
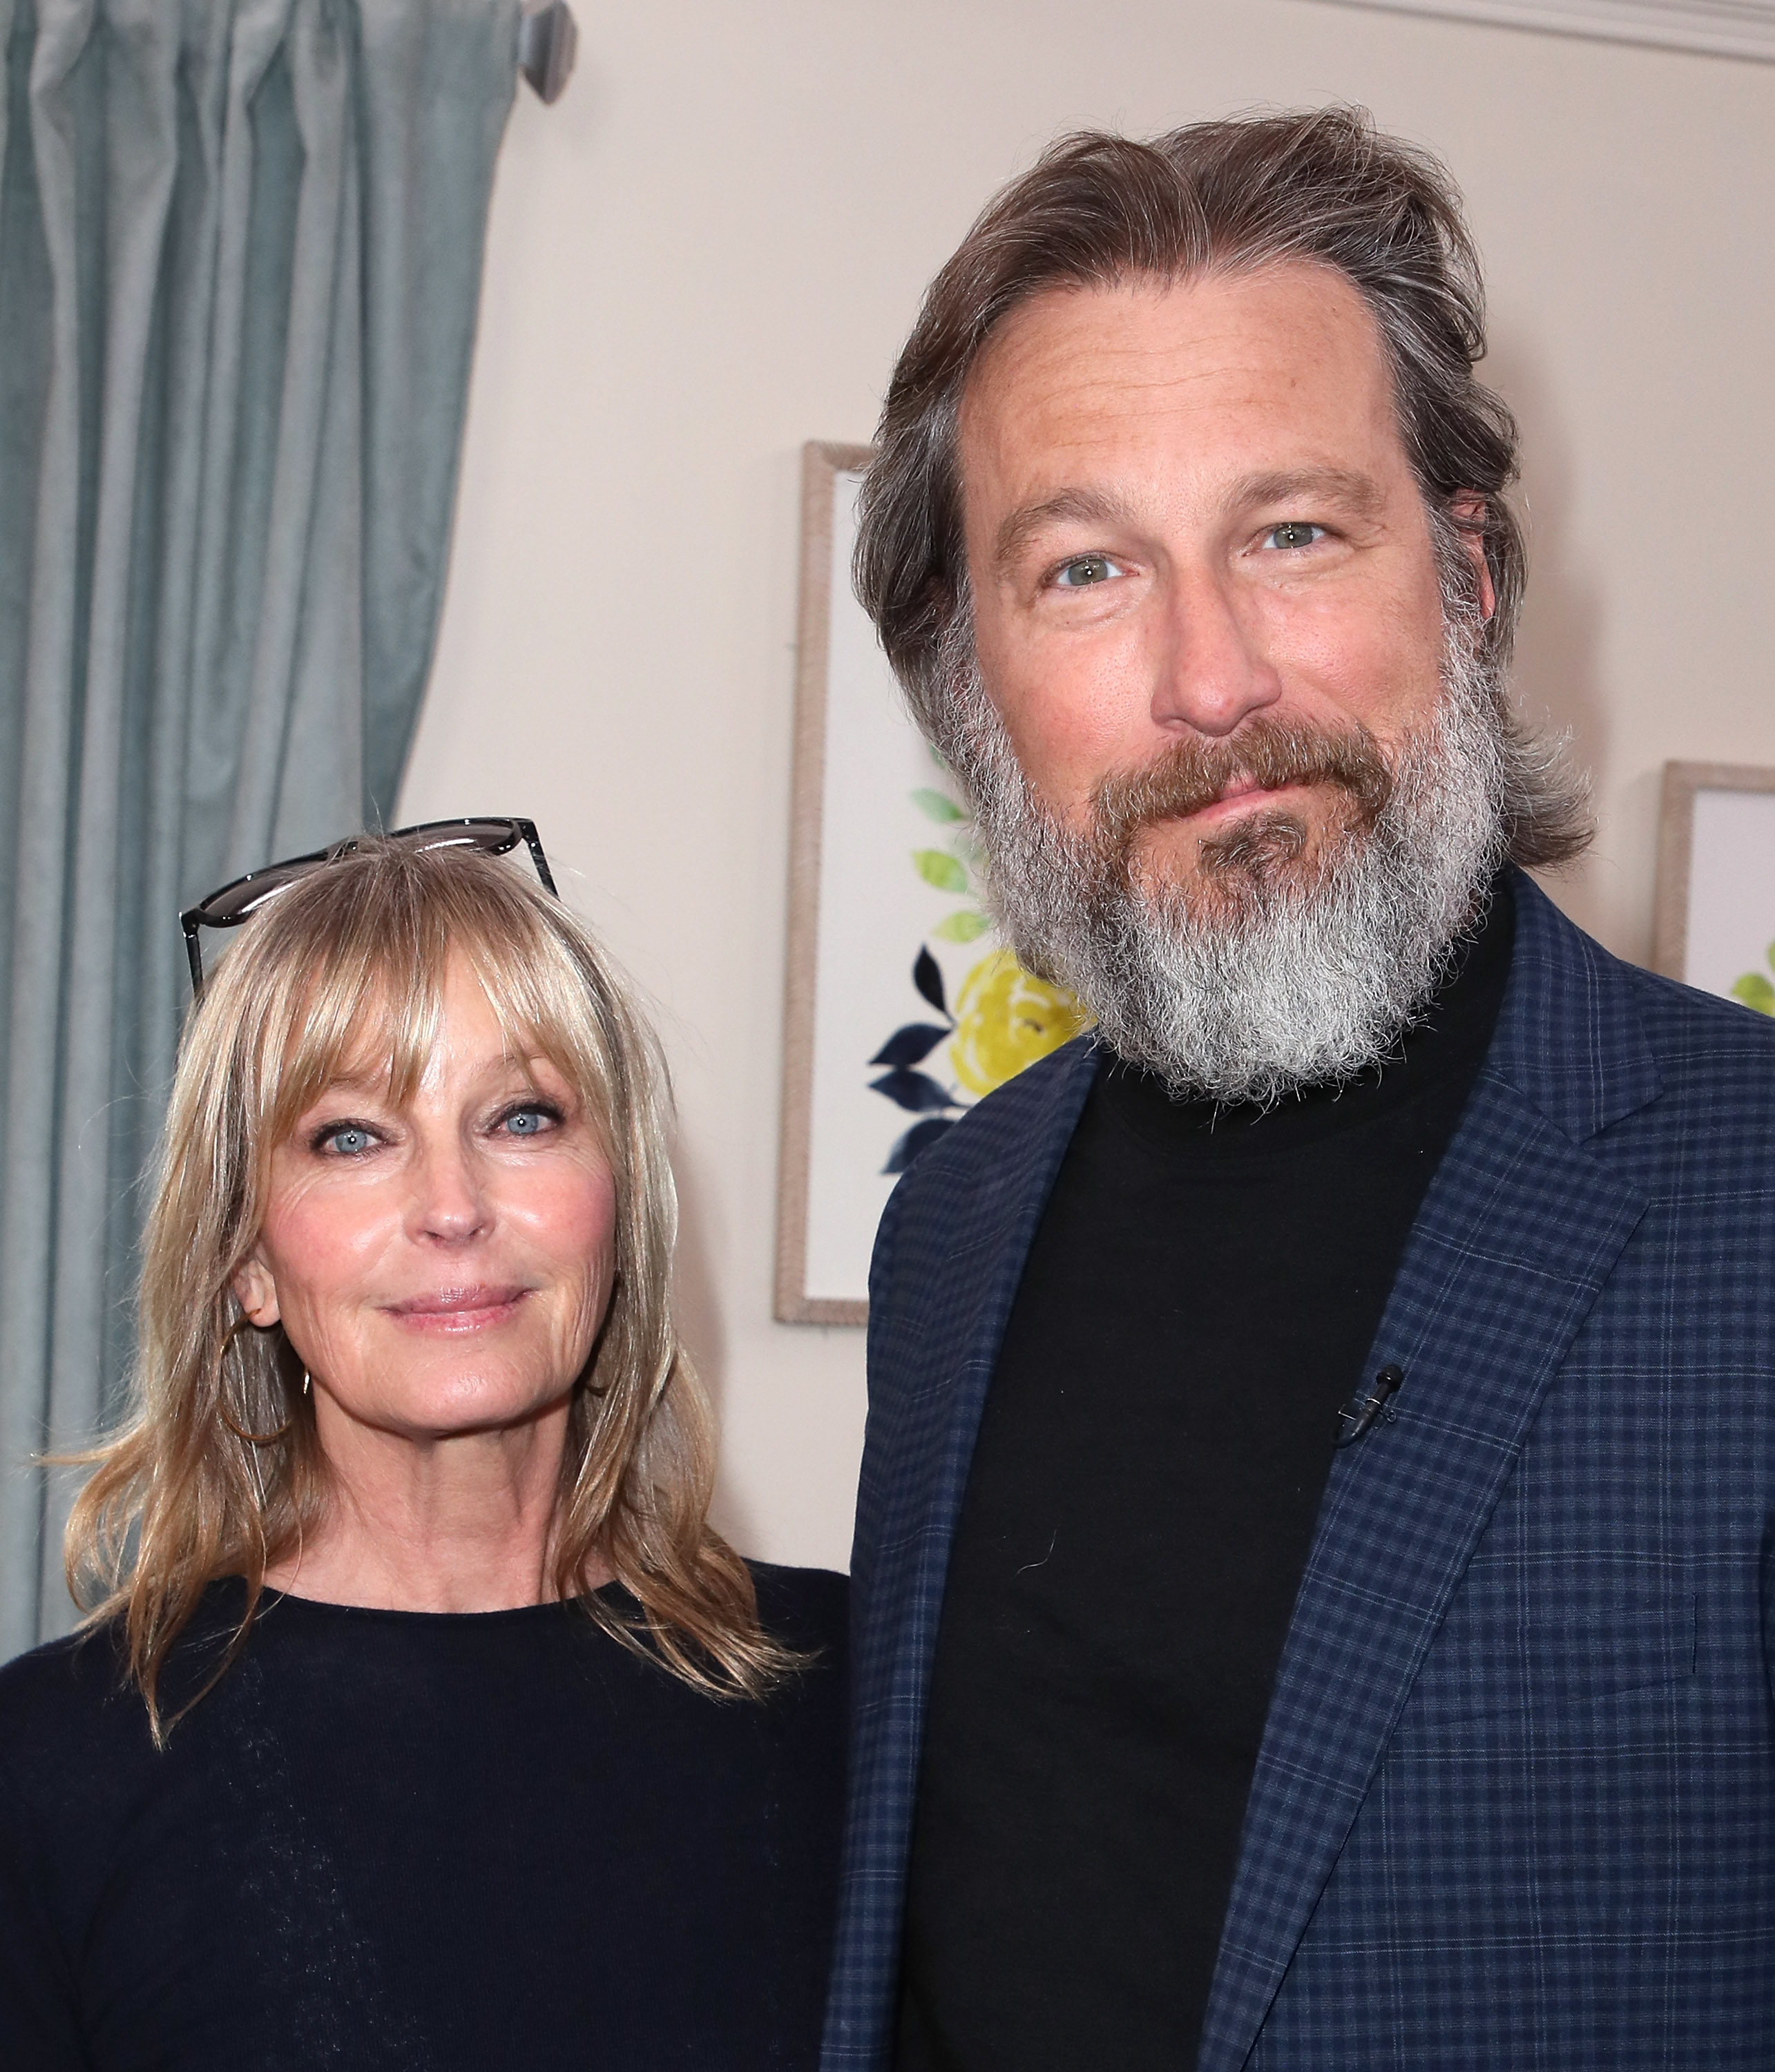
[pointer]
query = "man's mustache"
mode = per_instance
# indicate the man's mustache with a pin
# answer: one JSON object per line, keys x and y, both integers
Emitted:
{"x": 1192, "y": 774}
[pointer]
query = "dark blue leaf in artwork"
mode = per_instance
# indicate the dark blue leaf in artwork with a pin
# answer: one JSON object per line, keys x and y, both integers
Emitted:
{"x": 917, "y": 1090}
{"x": 911, "y": 1044}
{"x": 920, "y": 1137}
{"x": 929, "y": 981}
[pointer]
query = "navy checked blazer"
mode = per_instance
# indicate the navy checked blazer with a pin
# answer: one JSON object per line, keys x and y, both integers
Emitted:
{"x": 1514, "y": 1805}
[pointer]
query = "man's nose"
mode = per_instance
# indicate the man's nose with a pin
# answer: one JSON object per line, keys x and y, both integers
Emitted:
{"x": 1212, "y": 672}
{"x": 450, "y": 1198}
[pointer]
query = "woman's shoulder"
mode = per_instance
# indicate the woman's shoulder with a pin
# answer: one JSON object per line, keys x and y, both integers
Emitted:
{"x": 71, "y": 1707}
{"x": 76, "y": 1753}
{"x": 63, "y": 1692}
{"x": 807, "y": 1609}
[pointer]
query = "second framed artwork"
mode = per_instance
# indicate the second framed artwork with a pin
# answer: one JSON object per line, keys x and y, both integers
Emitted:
{"x": 901, "y": 1007}
{"x": 1715, "y": 922}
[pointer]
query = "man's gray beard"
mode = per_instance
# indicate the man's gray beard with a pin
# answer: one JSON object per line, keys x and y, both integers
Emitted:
{"x": 1271, "y": 978}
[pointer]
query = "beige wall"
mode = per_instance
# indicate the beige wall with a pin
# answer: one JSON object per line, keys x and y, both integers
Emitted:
{"x": 709, "y": 251}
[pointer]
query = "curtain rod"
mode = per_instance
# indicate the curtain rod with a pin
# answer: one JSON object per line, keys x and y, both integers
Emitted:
{"x": 547, "y": 43}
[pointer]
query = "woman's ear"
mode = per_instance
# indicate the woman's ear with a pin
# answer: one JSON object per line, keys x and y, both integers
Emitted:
{"x": 256, "y": 1291}
{"x": 1468, "y": 507}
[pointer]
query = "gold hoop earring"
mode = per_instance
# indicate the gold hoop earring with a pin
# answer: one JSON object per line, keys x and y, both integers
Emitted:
{"x": 247, "y": 1438}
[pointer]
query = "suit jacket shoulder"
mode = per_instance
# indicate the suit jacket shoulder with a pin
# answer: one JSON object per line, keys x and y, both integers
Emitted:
{"x": 947, "y": 1258}
{"x": 1563, "y": 1539}
{"x": 994, "y": 1130}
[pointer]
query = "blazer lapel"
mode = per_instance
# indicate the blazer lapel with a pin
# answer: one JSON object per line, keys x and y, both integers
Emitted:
{"x": 977, "y": 1220}
{"x": 1517, "y": 1234}
{"x": 936, "y": 1406}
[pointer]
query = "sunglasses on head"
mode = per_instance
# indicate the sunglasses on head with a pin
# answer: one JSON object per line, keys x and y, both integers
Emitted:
{"x": 239, "y": 900}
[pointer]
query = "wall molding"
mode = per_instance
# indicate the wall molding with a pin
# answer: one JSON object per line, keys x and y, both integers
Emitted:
{"x": 1723, "y": 28}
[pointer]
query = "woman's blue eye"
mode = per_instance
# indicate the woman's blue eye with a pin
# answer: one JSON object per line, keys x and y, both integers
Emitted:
{"x": 526, "y": 1121}
{"x": 1085, "y": 572}
{"x": 1295, "y": 533}
{"x": 349, "y": 1141}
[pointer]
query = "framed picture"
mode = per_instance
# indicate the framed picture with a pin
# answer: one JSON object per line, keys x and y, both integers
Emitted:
{"x": 901, "y": 1008}
{"x": 1714, "y": 926}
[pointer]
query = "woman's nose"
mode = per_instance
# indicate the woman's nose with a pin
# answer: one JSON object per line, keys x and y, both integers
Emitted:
{"x": 449, "y": 1200}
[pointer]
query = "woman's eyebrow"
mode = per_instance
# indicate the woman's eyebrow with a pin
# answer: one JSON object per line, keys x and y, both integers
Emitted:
{"x": 514, "y": 1070}
{"x": 374, "y": 1083}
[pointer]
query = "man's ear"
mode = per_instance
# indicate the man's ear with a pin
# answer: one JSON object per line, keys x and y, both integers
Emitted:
{"x": 256, "y": 1292}
{"x": 1468, "y": 508}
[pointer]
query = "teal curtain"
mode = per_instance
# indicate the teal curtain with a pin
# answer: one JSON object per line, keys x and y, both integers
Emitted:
{"x": 239, "y": 258}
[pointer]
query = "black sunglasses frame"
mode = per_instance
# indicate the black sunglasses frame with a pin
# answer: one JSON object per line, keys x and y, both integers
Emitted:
{"x": 449, "y": 835}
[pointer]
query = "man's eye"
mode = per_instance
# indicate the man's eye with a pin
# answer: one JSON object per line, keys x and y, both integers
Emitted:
{"x": 1294, "y": 532}
{"x": 1085, "y": 571}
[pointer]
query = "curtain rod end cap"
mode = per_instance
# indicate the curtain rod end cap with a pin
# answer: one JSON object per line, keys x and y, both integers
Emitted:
{"x": 548, "y": 44}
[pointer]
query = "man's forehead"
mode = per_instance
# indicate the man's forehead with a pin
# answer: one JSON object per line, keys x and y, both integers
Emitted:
{"x": 1134, "y": 318}
{"x": 1075, "y": 376}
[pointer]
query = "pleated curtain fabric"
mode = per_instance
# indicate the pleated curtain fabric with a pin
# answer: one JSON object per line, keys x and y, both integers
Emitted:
{"x": 241, "y": 247}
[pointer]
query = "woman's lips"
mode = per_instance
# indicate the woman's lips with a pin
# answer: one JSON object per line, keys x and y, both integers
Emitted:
{"x": 446, "y": 1309}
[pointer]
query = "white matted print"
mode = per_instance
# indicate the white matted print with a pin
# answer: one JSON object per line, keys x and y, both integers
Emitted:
{"x": 902, "y": 1008}
{"x": 1716, "y": 918}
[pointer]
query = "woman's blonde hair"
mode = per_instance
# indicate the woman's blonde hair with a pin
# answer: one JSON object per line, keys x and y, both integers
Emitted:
{"x": 217, "y": 1470}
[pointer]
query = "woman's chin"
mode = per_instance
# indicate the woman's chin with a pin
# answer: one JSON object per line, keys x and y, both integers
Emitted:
{"x": 437, "y": 1408}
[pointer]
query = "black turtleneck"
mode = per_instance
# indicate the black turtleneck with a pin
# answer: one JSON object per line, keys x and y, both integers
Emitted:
{"x": 1200, "y": 1299}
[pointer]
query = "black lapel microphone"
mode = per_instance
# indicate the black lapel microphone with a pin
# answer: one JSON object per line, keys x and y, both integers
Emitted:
{"x": 1363, "y": 1411}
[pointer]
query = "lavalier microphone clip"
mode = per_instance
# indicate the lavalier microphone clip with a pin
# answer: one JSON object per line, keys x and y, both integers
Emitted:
{"x": 1364, "y": 1411}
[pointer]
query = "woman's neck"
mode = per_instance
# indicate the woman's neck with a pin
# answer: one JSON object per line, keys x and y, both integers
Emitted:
{"x": 465, "y": 1523}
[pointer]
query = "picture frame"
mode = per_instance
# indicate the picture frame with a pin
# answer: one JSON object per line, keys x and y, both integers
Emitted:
{"x": 902, "y": 1005}
{"x": 1713, "y": 909}
{"x": 822, "y": 462}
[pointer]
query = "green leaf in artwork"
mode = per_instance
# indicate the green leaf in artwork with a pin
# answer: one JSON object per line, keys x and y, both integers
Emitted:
{"x": 938, "y": 867}
{"x": 1756, "y": 991}
{"x": 935, "y": 807}
{"x": 962, "y": 927}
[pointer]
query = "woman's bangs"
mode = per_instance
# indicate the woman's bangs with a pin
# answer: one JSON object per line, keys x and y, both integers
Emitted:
{"x": 541, "y": 1002}
{"x": 373, "y": 1017}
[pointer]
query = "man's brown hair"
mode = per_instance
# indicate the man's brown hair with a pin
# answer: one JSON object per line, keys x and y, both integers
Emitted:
{"x": 1323, "y": 188}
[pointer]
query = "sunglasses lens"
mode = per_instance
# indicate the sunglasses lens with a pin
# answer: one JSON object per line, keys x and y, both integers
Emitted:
{"x": 493, "y": 836}
{"x": 235, "y": 902}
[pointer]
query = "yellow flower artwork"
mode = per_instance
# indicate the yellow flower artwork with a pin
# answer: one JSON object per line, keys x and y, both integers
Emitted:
{"x": 1753, "y": 990}
{"x": 1004, "y": 1019}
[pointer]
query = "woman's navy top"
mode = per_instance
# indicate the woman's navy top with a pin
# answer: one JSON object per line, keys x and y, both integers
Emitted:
{"x": 417, "y": 1841}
